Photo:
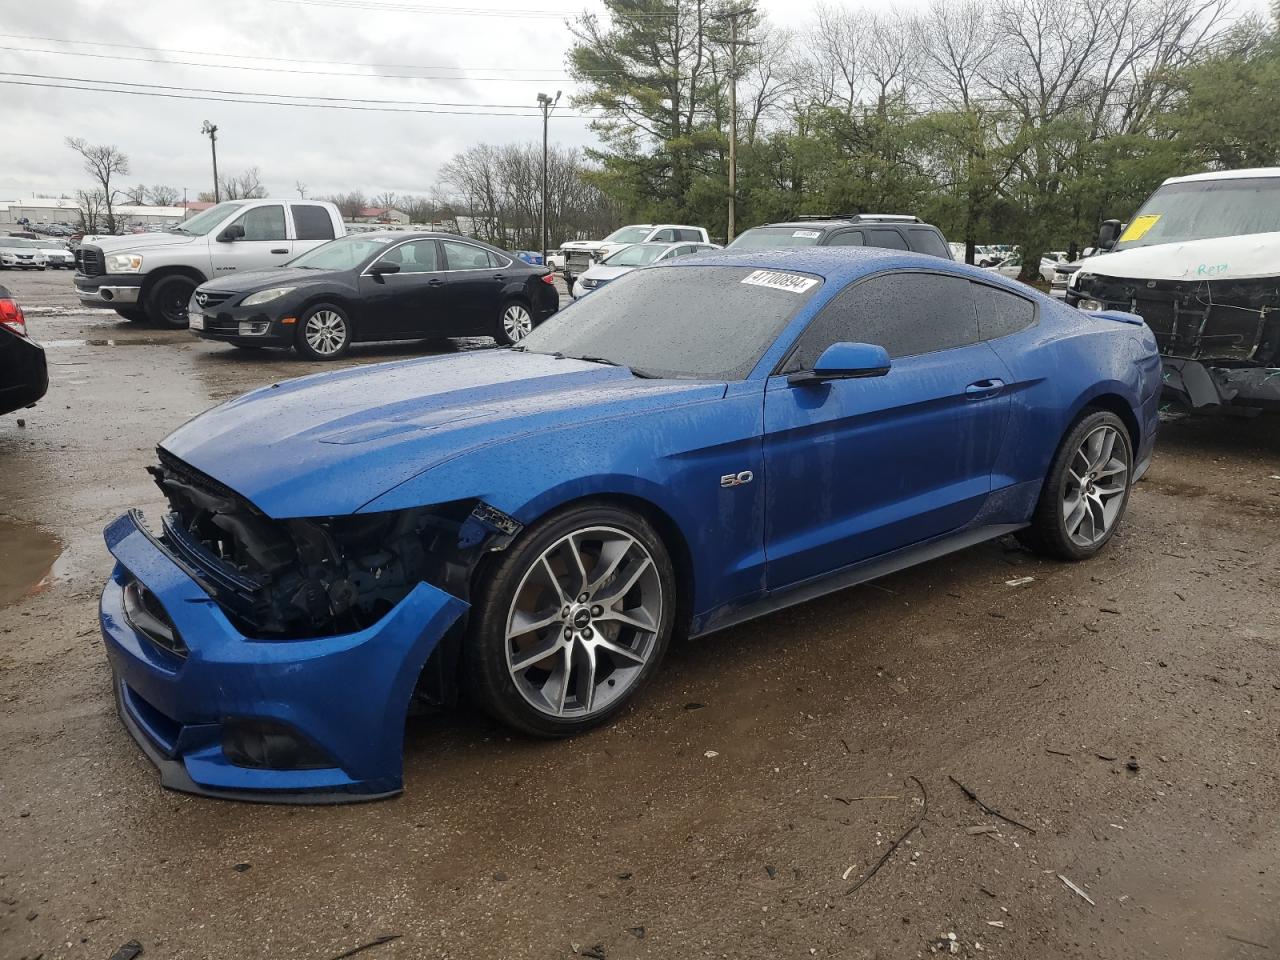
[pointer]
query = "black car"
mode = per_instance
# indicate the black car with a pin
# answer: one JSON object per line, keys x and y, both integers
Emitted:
{"x": 24, "y": 376}
{"x": 892, "y": 231}
{"x": 377, "y": 286}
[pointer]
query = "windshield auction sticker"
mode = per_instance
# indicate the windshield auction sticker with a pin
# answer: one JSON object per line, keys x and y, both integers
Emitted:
{"x": 807, "y": 234}
{"x": 777, "y": 280}
{"x": 1140, "y": 225}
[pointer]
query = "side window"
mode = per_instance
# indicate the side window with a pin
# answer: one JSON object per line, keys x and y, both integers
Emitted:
{"x": 846, "y": 238}
{"x": 262, "y": 223}
{"x": 464, "y": 256}
{"x": 681, "y": 251}
{"x": 311, "y": 222}
{"x": 881, "y": 237}
{"x": 906, "y": 313}
{"x": 416, "y": 256}
{"x": 924, "y": 240}
{"x": 665, "y": 236}
{"x": 693, "y": 235}
{"x": 1001, "y": 313}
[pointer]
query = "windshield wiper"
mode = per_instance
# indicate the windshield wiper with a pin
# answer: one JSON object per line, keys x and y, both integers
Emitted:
{"x": 642, "y": 374}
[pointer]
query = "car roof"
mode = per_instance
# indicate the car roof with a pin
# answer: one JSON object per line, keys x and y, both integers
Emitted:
{"x": 845, "y": 264}
{"x": 1227, "y": 175}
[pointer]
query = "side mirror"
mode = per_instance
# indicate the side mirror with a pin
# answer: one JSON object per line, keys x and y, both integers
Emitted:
{"x": 383, "y": 267}
{"x": 846, "y": 361}
{"x": 1108, "y": 234}
{"x": 231, "y": 233}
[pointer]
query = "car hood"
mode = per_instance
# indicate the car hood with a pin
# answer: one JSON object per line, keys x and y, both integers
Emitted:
{"x": 135, "y": 242}
{"x": 329, "y": 444}
{"x": 602, "y": 271}
{"x": 262, "y": 279}
{"x": 1219, "y": 258}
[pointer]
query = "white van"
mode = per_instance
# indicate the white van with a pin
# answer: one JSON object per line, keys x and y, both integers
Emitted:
{"x": 1200, "y": 262}
{"x": 151, "y": 276}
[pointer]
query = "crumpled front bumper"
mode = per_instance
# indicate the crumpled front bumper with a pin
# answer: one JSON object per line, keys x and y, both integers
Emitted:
{"x": 345, "y": 697}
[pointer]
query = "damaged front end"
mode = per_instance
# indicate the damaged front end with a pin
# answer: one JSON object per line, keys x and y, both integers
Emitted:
{"x": 1220, "y": 338}
{"x": 299, "y": 578}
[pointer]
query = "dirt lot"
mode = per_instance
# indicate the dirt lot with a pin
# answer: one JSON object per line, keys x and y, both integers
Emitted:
{"x": 1123, "y": 710}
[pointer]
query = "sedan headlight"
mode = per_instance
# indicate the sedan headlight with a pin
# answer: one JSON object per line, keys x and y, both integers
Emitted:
{"x": 124, "y": 263}
{"x": 265, "y": 296}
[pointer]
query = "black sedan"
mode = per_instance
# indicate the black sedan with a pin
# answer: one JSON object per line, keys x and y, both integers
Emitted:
{"x": 24, "y": 377}
{"x": 377, "y": 286}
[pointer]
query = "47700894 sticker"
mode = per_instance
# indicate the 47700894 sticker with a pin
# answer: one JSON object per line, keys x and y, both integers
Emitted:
{"x": 778, "y": 280}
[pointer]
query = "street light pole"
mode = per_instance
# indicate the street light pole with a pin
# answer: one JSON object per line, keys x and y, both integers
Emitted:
{"x": 212, "y": 132}
{"x": 547, "y": 104}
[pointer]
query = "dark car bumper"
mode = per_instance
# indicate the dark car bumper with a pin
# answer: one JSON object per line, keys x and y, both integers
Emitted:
{"x": 283, "y": 721}
{"x": 270, "y": 325}
{"x": 24, "y": 374}
{"x": 109, "y": 290}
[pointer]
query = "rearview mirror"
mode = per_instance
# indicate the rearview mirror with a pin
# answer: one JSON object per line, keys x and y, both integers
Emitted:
{"x": 1108, "y": 233}
{"x": 233, "y": 232}
{"x": 846, "y": 361}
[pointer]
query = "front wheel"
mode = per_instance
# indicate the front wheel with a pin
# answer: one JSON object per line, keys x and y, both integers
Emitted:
{"x": 515, "y": 322}
{"x": 572, "y": 621}
{"x": 1086, "y": 491}
{"x": 324, "y": 332}
{"x": 166, "y": 301}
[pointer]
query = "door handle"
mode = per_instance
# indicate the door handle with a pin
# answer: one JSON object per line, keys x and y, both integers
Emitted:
{"x": 437, "y": 282}
{"x": 499, "y": 276}
{"x": 280, "y": 251}
{"x": 982, "y": 389}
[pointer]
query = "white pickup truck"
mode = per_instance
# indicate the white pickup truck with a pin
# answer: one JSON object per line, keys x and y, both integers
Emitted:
{"x": 151, "y": 276}
{"x": 579, "y": 255}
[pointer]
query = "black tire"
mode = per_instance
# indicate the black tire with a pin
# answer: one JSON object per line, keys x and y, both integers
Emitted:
{"x": 166, "y": 301}
{"x": 326, "y": 314}
{"x": 485, "y": 655}
{"x": 1049, "y": 534}
{"x": 508, "y": 331}
{"x": 132, "y": 315}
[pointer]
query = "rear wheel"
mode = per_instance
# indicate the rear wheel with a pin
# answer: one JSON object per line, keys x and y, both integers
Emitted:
{"x": 1086, "y": 491}
{"x": 166, "y": 301}
{"x": 515, "y": 322}
{"x": 324, "y": 332}
{"x": 572, "y": 621}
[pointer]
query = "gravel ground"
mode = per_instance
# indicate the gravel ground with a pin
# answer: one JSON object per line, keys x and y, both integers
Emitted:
{"x": 1121, "y": 711}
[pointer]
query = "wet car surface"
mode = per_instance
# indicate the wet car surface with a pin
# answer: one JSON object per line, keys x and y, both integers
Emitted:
{"x": 718, "y": 817}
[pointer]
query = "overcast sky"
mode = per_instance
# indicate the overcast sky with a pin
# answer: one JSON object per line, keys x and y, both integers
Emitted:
{"x": 475, "y": 59}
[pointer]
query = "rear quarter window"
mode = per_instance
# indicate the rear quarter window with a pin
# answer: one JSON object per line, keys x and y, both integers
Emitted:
{"x": 1001, "y": 313}
{"x": 924, "y": 240}
{"x": 312, "y": 222}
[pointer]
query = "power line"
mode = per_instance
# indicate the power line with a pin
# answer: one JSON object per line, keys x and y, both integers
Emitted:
{"x": 555, "y": 71}
{"x": 382, "y": 7}
{"x": 276, "y": 103}
{"x": 254, "y": 93}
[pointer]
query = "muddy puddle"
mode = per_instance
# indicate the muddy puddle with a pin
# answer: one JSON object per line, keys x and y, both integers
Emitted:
{"x": 27, "y": 555}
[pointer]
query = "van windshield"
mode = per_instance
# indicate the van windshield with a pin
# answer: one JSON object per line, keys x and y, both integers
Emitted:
{"x": 1202, "y": 209}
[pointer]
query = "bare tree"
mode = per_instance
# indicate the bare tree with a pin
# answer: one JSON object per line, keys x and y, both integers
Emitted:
{"x": 246, "y": 186}
{"x": 89, "y": 206}
{"x": 135, "y": 195}
{"x": 348, "y": 204}
{"x": 102, "y": 162}
{"x": 163, "y": 196}
{"x": 301, "y": 188}
{"x": 384, "y": 201}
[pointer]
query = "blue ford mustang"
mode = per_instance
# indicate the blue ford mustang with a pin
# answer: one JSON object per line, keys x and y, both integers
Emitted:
{"x": 692, "y": 446}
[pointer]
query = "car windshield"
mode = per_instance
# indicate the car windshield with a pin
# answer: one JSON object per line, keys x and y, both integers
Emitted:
{"x": 1202, "y": 209}
{"x": 636, "y": 255}
{"x": 345, "y": 253}
{"x": 202, "y": 223}
{"x": 774, "y": 238}
{"x": 14, "y": 242}
{"x": 628, "y": 235}
{"x": 697, "y": 322}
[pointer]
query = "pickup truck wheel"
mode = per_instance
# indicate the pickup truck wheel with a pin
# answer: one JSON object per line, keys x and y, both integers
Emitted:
{"x": 166, "y": 301}
{"x": 324, "y": 332}
{"x": 133, "y": 316}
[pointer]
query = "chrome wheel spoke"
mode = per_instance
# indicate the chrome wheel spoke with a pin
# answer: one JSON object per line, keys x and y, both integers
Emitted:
{"x": 641, "y": 622}
{"x": 535, "y": 654}
{"x": 620, "y": 651}
{"x": 523, "y": 623}
{"x": 1097, "y": 480}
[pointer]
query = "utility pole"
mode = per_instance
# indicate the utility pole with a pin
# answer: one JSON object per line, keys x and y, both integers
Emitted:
{"x": 212, "y": 131}
{"x": 734, "y": 43}
{"x": 547, "y": 104}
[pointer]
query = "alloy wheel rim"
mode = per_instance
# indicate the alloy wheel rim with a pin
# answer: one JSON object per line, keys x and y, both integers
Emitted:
{"x": 516, "y": 322}
{"x": 176, "y": 309}
{"x": 1097, "y": 480}
{"x": 326, "y": 332}
{"x": 584, "y": 622}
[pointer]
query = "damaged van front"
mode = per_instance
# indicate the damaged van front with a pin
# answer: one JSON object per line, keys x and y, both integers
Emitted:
{"x": 1200, "y": 263}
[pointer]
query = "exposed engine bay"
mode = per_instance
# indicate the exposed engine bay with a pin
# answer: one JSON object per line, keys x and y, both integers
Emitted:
{"x": 296, "y": 578}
